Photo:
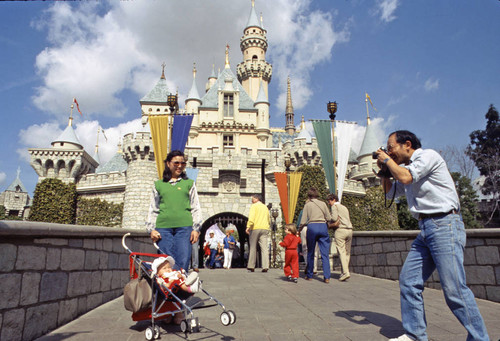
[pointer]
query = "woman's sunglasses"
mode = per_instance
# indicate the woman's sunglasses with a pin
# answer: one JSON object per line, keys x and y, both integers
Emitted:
{"x": 179, "y": 163}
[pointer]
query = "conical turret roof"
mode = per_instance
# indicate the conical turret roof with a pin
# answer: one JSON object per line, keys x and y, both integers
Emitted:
{"x": 159, "y": 94}
{"x": 17, "y": 184}
{"x": 253, "y": 20}
{"x": 68, "y": 136}
{"x": 370, "y": 142}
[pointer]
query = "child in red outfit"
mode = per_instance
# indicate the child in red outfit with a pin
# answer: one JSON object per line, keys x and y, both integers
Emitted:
{"x": 290, "y": 243}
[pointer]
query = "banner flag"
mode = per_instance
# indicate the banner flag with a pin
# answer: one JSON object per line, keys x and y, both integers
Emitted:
{"x": 282, "y": 184}
{"x": 344, "y": 132}
{"x": 77, "y": 106}
{"x": 323, "y": 131}
{"x": 180, "y": 131}
{"x": 159, "y": 133}
{"x": 369, "y": 99}
{"x": 293, "y": 193}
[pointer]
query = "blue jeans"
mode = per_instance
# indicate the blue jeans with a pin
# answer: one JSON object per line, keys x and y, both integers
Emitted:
{"x": 318, "y": 233}
{"x": 213, "y": 253}
{"x": 176, "y": 242}
{"x": 440, "y": 245}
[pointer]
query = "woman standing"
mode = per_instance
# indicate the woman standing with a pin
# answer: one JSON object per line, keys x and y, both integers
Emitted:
{"x": 316, "y": 215}
{"x": 174, "y": 218}
{"x": 229, "y": 245}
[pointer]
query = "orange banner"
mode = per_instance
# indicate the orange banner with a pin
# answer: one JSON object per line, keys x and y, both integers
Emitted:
{"x": 282, "y": 184}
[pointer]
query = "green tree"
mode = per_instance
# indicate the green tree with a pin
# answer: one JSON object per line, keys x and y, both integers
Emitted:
{"x": 369, "y": 213}
{"x": 468, "y": 201}
{"x": 405, "y": 219}
{"x": 54, "y": 202}
{"x": 99, "y": 213}
{"x": 2, "y": 212}
{"x": 484, "y": 149}
{"x": 312, "y": 176}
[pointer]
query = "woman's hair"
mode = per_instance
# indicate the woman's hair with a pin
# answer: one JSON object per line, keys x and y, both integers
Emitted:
{"x": 292, "y": 228}
{"x": 312, "y": 193}
{"x": 167, "y": 174}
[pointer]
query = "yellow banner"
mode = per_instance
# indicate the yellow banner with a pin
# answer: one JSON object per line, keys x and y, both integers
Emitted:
{"x": 293, "y": 193}
{"x": 160, "y": 134}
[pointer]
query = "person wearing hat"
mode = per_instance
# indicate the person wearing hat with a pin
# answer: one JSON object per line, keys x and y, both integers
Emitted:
{"x": 163, "y": 268}
{"x": 229, "y": 245}
{"x": 213, "y": 245}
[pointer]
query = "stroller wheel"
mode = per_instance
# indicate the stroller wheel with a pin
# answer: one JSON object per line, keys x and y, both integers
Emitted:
{"x": 149, "y": 333}
{"x": 225, "y": 319}
{"x": 184, "y": 326}
{"x": 156, "y": 332}
{"x": 232, "y": 316}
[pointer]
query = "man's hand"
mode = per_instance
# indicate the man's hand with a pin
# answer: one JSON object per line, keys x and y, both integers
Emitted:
{"x": 247, "y": 230}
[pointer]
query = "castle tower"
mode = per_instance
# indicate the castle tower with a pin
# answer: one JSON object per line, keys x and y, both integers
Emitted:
{"x": 211, "y": 79}
{"x": 15, "y": 198}
{"x": 254, "y": 67}
{"x": 141, "y": 173}
{"x": 66, "y": 160}
{"x": 155, "y": 102}
{"x": 289, "y": 127}
{"x": 262, "y": 105}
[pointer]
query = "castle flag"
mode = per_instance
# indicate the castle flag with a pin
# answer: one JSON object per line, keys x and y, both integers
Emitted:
{"x": 77, "y": 106}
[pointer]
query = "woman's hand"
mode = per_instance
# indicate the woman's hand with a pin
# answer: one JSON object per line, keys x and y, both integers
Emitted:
{"x": 155, "y": 236}
{"x": 194, "y": 236}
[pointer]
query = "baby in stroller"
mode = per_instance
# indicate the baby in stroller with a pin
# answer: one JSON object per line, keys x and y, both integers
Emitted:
{"x": 175, "y": 279}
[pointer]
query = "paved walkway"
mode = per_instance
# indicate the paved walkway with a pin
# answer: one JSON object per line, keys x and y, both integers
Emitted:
{"x": 268, "y": 307}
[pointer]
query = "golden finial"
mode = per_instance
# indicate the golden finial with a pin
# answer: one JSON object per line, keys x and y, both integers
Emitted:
{"x": 163, "y": 70}
{"x": 227, "y": 66}
{"x": 194, "y": 70}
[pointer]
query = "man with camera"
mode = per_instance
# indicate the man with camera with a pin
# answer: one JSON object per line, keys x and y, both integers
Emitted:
{"x": 422, "y": 175}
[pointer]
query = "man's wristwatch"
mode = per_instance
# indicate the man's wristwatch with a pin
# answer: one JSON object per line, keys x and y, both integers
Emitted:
{"x": 386, "y": 160}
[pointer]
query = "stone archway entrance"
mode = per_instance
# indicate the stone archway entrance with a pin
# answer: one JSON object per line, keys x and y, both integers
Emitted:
{"x": 223, "y": 219}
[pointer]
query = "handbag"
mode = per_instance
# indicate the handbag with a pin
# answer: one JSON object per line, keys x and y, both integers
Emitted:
{"x": 137, "y": 295}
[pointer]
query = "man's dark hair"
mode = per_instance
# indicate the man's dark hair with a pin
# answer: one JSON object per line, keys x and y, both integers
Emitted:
{"x": 167, "y": 174}
{"x": 332, "y": 196}
{"x": 404, "y": 135}
{"x": 312, "y": 193}
{"x": 257, "y": 196}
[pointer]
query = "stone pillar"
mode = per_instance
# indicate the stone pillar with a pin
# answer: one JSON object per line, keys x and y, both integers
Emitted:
{"x": 141, "y": 173}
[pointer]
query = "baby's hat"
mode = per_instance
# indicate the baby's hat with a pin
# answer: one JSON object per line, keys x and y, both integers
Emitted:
{"x": 159, "y": 261}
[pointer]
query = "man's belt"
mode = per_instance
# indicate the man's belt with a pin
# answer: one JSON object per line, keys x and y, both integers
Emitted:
{"x": 422, "y": 216}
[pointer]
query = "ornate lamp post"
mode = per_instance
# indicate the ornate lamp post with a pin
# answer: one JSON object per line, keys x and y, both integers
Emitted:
{"x": 288, "y": 163}
{"x": 331, "y": 107}
{"x": 274, "y": 214}
{"x": 172, "y": 103}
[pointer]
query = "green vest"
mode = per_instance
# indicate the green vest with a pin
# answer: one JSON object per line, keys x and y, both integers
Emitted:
{"x": 175, "y": 205}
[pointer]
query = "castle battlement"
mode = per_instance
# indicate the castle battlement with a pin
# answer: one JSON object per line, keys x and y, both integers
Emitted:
{"x": 102, "y": 179}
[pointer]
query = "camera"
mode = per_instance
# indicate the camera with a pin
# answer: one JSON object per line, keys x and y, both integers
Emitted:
{"x": 375, "y": 154}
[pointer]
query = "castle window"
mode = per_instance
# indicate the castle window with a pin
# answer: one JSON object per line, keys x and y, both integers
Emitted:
{"x": 254, "y": 58}
{"x": 228, "y": 106}
{"x": 227, "y": 140}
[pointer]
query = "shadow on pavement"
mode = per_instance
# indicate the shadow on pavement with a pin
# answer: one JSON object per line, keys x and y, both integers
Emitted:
{"x": 389, "y": 326}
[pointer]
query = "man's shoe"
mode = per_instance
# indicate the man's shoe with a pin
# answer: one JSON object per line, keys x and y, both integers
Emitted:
{"x": 345, "y": 277}
{"x": 264, "y": 270}
{"x": 196, "y": 270}
{"x": 308, "y": 279}
{"x": 326, "y": 280}
{"x": 250, "y": 270}
{"x": 403, "y": 337}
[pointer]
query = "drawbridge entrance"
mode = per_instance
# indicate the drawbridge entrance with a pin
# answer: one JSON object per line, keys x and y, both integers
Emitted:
{"x": 223, "y": 220}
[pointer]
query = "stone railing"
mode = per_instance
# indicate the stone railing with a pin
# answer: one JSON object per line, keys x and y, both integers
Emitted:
{"x": 52, "y": 273}
{"x": 382, "y": 253}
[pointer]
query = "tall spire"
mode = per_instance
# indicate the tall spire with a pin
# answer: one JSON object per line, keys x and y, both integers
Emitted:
{"x": 289, "y": 127}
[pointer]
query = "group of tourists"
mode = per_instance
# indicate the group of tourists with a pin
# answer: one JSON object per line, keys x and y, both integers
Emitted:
{"x": 421, "y": 175}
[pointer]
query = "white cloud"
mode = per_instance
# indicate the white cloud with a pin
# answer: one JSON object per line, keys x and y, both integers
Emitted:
{"x": 386, "y": 9}
{"x": 431, "y": 84}
{"x": 3, "y": 176}
{"x": 41, "y": 136}
{"x": 100, "y": 50}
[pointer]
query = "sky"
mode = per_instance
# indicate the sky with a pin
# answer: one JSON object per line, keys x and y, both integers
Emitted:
{"x": 431, "y": 67}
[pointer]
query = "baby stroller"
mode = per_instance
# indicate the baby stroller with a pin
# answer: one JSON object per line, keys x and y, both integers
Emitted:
{"x": 166, "y": 302}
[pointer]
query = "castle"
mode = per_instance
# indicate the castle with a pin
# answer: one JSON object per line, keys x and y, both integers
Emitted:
{"x": 230, "y": 142}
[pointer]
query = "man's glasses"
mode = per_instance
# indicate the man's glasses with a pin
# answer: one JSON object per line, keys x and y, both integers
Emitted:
{"x": 179, "y": 163}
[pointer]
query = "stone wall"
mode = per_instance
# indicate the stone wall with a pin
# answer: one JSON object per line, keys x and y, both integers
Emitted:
{"x": 382, "y": 254}
{"x": 52, "y": 273}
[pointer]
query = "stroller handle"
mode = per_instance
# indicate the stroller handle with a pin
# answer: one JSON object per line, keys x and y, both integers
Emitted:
{"x": 124, "y": 244}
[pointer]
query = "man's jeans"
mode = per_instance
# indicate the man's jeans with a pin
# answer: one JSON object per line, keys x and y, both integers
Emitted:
{"x": 440, "y": 245}
{"x": 176, "y": 242}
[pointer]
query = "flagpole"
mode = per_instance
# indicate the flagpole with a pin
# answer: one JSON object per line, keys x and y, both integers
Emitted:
{"x": 367, "y": 112}
{"x": 70, "y": 123}
{"x": 332, "y": 109}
